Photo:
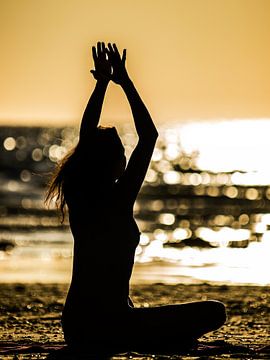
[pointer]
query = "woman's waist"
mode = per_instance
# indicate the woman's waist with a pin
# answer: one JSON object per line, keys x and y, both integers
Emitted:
{"x": 102, "y": 228}
{"x": 103, "y": 233}
{"x": 101, "y": 276}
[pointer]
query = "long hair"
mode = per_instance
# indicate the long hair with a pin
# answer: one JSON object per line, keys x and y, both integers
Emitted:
{"x": 101, "y": 151}
{"x": 55, "y": 190}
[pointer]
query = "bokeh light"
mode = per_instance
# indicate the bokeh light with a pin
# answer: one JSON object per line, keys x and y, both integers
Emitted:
{"x": 9, "y": 143}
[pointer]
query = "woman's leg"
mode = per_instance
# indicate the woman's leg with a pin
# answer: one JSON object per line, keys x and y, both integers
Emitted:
{"x": 164, "y": 329}
{"x": 172, "y": 328}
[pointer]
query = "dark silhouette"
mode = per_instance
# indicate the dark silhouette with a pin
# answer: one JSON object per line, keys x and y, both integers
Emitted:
{"x": 99, "y": 191}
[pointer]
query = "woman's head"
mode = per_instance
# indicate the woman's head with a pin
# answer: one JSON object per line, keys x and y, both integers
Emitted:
{"x": 107, "y": 154}
{"x": 97, "y": 161}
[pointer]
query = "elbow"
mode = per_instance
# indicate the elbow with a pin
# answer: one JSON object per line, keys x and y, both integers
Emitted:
{"x": 156, "y": 134}
{"x": 148, "y": 133}
{"x": 149, "y": 136}
{"x": 153, "y": 135}
{"x": 152, "y": 131}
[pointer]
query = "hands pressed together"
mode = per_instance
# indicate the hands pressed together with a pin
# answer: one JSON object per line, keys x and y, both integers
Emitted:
{"x": 109, "y": 64}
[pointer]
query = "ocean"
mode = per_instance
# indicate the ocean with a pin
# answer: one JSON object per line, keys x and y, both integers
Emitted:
{"x": 203, "y": 210}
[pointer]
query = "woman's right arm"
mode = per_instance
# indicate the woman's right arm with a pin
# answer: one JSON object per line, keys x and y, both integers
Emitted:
{"x": 93, "y": 109}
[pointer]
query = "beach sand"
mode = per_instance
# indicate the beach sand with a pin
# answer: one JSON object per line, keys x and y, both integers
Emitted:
{"x": 30, "y": 315}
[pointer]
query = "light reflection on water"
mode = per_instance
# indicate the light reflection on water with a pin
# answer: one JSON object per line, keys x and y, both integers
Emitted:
{"x": 204, "y": 210}
{"x": 222, "y": 264}
{"x": 52, "y": 262}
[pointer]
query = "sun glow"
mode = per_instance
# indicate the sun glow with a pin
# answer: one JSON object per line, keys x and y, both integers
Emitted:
{"x": 229, "y": 146}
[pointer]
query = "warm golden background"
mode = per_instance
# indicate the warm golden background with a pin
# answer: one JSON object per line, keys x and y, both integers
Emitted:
{"x": 190, "y": 59}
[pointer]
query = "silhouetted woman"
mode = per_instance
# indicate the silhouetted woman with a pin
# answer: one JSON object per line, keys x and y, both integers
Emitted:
{"x": 99, "y": 191}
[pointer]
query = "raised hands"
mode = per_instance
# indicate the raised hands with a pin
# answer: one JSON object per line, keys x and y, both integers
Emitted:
{"x": 102, "y": 70}
{"x": 119, "y": 72}
{"x": 109, "y": 64}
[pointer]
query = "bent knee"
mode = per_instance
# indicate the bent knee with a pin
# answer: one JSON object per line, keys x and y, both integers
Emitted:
{"x": 217, "y": 312}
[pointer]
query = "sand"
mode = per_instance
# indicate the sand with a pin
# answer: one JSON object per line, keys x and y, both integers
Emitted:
{"x": 30, "y": 315}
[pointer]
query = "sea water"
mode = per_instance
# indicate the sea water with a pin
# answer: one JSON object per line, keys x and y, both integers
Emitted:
{"x": 203, "y": 210}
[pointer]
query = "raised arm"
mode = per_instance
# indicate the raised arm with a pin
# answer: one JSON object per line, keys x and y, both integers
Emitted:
{"x": 139, "y": 161}
{"x": 101, "y": 73}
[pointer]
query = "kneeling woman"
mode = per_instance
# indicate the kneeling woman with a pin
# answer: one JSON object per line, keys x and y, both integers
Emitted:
{"x": 99, "y": 190}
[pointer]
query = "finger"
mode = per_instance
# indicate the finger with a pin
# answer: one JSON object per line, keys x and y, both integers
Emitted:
{"x": 103, "y": 48}
{"x": 108, "y": 53}
{"x": 94, "y": 53}
{"x": 115, "y": 49}
{"x": 124, "y": 56}
{"x": 99, "y": 48}
{"x": 110, "y": 48}
{"x": 111, "y": 53}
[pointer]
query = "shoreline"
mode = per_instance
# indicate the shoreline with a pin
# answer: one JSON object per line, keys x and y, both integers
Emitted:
{"x": 30, "y": 313}
{"x": 59, "y": 271}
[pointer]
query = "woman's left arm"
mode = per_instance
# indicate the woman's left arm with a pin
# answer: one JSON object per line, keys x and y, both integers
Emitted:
{"x": 133, "y": 177}
{"x": 139, "y": 161}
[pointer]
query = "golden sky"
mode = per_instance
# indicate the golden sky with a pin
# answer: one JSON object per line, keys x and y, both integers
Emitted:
{"x": 190, "y": 59}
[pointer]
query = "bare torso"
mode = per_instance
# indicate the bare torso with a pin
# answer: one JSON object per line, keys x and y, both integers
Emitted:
{"x": 105, "y": 241}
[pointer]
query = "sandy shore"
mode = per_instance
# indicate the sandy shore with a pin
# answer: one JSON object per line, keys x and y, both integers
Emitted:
{"x": 30, "y": 314}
